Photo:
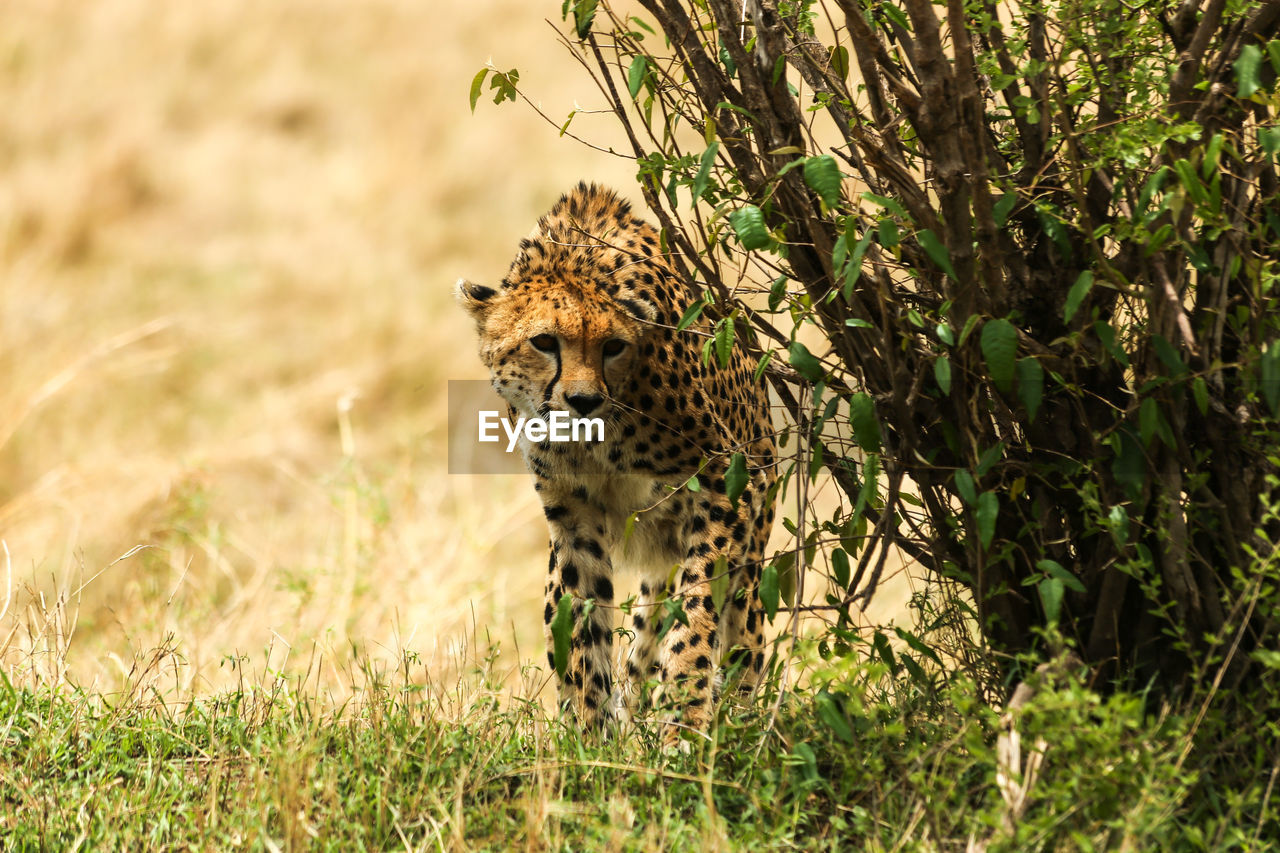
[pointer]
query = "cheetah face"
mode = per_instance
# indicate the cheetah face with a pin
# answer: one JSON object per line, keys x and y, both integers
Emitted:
{"x": 555, "y": 348}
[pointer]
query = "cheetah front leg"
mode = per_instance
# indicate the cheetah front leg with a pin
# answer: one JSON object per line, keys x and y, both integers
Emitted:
{"x": 686, "y": 662}
{"x": 742, "y": 619}
{"x": 646, "y": 621}
{"x": 580, "y": 567}
{"x": 690, "y": 650}
{"x": 742, "y": 624}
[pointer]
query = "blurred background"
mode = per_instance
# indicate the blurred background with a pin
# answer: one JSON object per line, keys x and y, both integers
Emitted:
{"x": 229, "y": 234}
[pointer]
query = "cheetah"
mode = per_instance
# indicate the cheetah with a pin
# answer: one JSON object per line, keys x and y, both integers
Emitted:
{"x": 585, "y": 323}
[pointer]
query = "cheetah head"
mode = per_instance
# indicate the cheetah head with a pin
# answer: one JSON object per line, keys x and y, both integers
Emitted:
{"x": 552, "y": 345}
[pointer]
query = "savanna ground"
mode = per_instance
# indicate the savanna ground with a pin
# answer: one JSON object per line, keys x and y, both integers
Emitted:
{"x": 246, "y": 606}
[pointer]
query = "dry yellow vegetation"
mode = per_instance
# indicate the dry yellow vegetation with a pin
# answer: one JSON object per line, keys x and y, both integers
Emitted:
{"x": 228, "y": 237}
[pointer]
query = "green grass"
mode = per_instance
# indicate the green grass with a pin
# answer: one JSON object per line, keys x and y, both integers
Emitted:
{"x": 860, "y": 759}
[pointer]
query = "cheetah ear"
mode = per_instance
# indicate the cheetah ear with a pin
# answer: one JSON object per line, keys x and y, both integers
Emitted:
{"x": 476, "y": 298}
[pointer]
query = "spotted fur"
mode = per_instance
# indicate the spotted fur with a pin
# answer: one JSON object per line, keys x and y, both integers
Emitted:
{"x": 584, "y": 322}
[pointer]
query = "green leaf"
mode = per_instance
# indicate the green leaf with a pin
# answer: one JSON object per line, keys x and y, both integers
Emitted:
{"x": 888, "y": 204}
{"x": 583, "y": 13}
{"x": 839, "y": 252}
{"x": 1129, "y": 468}
{"x": 672, "y": 612}
{"x": 1118, "y": 521}
{"x": 690, "y": 315}
{"x": 866, "y": 428}
{"x": 693, "y": 485}
{"x": 1170, "y": 356}
{"x": 854, "y": 268}
{"x": 918, "y": 645}
{"x": 736, "y": 478}
{"x": 726, "y": 59}
{"x": 966, "y": 487}
{"x": 477, "y": 86}
{"x": 1187, "y": 177}
{"x": 1107, "y": 336}
{"x": 505, "y": 84}
{"x": 564, "y": 128}
{"x": 779, "y": 68}
{"x": 787, "y": 581}
{"x": 839, "y": 56}
{"x": 987, "y": 511}
{"x": 1158, "y": 239}
{"x": 870, "y": 484}
{"x": 942, "y": 373}
{"x": 761, "y": 365}
{"x": 1269, "y": 139}
{"x": 1050, "y": 590}
{"x": 1148, "y": 419}
{"x": 1052, "y": 223}
{"x": 719, "y": 582}
{"x": 1200, "y": 389}
{"x": 936, "y": 251}
{"x": 944, "y": 333}
{"x": 769, "y": 591}
{"x": 897, "y": 15}
{"x": 917, "y": 672}
{"x": 1269, "y": 376}
{"x": 1076, "y": 295}
{"x": 1004, "y": 207}
{"x": 1211, "y": 153}
{"x": 840, "y": 567}
{"x": 635, "y": 75}
{"x": 989, "y": 458}
{"x": 562, "y": 633}
{"x": 881, "y": 644}
{"x": 815, "y": 458}
{"x": 856, "y": 323}
{"x": 1030, "y": 385}
{"x": 1151, "y": 187}
{"x": 1247, "y": 67}
{"x": 777, "y": 291}
{"x": 1267, "y": 657}
{"x": 701, "y": 179}
{"x": 1057, "y": 570}
{"x": 802, "y": 756}
{"x": 999, "y": 349}
{"x": 748, "y": 225}
{"x": 823, "y": 177}
{"x": 724, "y": 342}
{"x": 804, "y": 362}
{"x": 830, "y": 713}
{"x": 889, "y": 236}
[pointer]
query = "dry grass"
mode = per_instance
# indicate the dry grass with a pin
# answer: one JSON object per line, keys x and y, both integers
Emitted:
{"x": 228, "y": 235}
{"x": 226, "y": 232}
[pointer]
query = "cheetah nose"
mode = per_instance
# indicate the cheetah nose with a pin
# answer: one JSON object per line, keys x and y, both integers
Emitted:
{"x": 584, "y": 404}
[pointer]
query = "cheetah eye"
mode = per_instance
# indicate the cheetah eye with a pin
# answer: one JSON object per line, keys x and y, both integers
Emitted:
{"x": 545, "y": 343}
{"x": 613, "y": 346}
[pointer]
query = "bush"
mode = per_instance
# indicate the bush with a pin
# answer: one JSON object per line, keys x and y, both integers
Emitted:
{"x": 1036, "y": 245}
{"x": 1014, "y": 268}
